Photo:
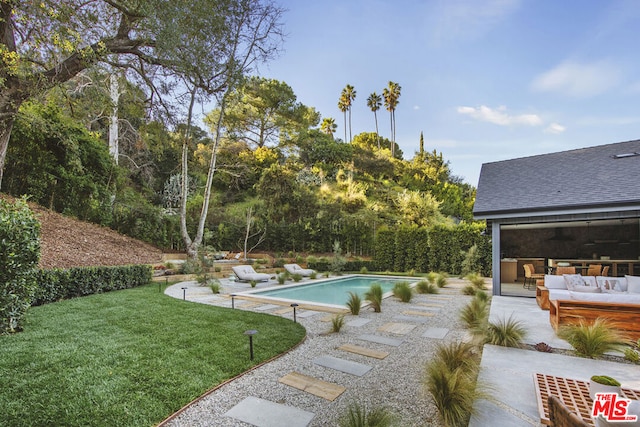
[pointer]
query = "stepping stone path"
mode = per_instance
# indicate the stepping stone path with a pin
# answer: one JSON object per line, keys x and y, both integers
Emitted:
{"x": 323, "y": 389}
{"x": 342, "y": 365}
{"x": 358, "y": 322}
{"x": 436, "y": 333}
{"x": 404, "y": 318}
{"x": 263, "y": 413}
{"x": 419, "y": 313}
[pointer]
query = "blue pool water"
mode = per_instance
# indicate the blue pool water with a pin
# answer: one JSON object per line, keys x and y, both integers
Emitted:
{"x": 331, "y": 291}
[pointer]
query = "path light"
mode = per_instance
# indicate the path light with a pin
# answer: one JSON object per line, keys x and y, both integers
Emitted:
{"x": 294, "y": 305}
{"x": 184, "y": 293}
{"x": 251, "y": 333}
{"x": 233, "y": 301}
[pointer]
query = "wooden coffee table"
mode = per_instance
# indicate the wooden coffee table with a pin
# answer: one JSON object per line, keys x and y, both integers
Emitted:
{"x": 574, "y": 394}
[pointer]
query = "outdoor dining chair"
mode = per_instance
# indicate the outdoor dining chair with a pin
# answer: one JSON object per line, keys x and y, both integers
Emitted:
{"x": 561, "y": 416}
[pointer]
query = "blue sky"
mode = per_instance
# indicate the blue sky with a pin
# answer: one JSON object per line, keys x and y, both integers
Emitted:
{"x": 485, "y": 80}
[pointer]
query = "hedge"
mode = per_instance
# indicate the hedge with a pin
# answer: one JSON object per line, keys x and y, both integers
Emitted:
{"x": 57, "y": 284}
{"x": 19, "y": 255}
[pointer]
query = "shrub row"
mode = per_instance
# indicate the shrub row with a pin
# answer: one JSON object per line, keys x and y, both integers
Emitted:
{"x": 354, "y": 265}
{"x": 438, "y": 248}
{"x": 57, "y": 284}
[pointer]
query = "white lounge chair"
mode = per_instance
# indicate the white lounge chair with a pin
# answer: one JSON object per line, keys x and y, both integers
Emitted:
{"x": 296, "y": 269}
{"x": 246, "y": 273}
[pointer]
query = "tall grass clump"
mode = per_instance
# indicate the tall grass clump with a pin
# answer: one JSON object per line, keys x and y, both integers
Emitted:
{"x": 475, "y": 314}
{"x": 424, "y": 287}
{"x": 360, "y": 416}
{"x": 441, "y": 280}
{"x": 593, "y": 340}
{"x": 403, "y": 291}
{"x": 354, "y": 303}
{"x": 450, "y": 378}
{"x": 374, "y": 296}
{"x": 476, "y": 280}
{"x": 337, "y": 322}
{"x": 505, "y": 332}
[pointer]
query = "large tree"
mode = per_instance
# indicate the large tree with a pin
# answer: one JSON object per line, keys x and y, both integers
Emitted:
{"x": 265, "y": 112}
{"x": 346, "y": 99}
{"x": 47, "y": 42}
{"x": 374, "y": 102}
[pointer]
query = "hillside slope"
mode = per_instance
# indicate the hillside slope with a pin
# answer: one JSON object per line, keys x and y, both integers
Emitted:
{"x": 67, "y": 242}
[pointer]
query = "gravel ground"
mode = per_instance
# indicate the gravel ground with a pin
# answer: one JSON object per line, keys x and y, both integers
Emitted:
{"x": 394, "y": 382}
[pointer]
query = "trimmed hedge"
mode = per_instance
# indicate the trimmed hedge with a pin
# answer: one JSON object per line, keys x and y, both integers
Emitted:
{"x": 355, "y": 265}
{"x": 57, "y": 284}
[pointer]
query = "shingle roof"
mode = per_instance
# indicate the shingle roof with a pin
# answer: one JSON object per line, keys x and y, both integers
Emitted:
{"x": 587, "y": 177}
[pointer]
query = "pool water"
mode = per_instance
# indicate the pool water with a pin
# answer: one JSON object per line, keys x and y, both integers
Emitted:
{"x": 332, "y": 291}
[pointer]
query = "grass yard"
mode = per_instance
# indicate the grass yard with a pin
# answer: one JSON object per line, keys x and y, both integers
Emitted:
{"x": 127, "y": 358}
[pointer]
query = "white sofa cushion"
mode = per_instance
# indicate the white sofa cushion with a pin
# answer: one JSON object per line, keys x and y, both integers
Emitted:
{"x": 553, "y": 281}
{"x": 573, "y": 280}
{"x": 559, "y": 294}
{"x": 633, "y": 284}
{"x": 623, "y": 298}
{"x": 587, "y": 289}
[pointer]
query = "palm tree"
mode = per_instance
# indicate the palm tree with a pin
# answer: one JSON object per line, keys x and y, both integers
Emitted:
{"x": 374, "y": 101}
{"x": 391, "y": 95}
{"x": 348, "y": 96}
{"x": 328, "y": 126}
{"x": 342, "y": 106}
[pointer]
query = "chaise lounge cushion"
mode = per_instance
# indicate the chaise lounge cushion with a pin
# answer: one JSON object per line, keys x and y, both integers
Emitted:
{"x": 553, "y": 281}
{"x": 246, "y": 273}
{"x": 296, "y": 269}
{"x": 633, "y": 284}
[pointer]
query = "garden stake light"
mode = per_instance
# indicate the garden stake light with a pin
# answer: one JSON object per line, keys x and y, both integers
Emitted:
{"x": 294, "y": 305}
{"x": 184, "y": 293}
{"x": 251, "y": 333}
{"x": 233, "y": 301}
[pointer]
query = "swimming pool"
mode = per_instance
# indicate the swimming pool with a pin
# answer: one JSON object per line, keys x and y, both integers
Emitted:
{"x": 330, "y": 292}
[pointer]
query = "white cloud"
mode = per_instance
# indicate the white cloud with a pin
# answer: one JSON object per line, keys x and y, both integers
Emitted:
{"x": 465, "y": 19}
{"x": 500, "y": 116}
{"x": 555, "y": 128}
{"x": 580, "y": 80}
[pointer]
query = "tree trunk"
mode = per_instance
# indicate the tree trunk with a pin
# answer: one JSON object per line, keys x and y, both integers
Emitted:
{"x": 114, "y": 91}
{"x": 8, "y": 109}
{"x": 375, "y": 116}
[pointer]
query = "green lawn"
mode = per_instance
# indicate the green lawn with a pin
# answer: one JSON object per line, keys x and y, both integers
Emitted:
{"x": 127, "y": 358}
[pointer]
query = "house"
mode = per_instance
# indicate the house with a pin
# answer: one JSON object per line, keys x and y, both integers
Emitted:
{"x": 579, "y": 206}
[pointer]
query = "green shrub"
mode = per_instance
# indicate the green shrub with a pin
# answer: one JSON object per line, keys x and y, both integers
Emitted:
{"x": 215, "y": 286}
{"x": 476, "y": 280}
{"x": 506, "y": 333}
{"x": 354, "y": 303}
{"x": 253, "y": 283}
{"x": 296, "y": 277}
{"x": 432, "y": 276}
{"x": 482, "y": 295}
{"x": 19, "y": 255}
{"x": 424, "y": 287}
{"x": 191, "y": 266}
{"x": 458, "y": 355}
{"x": 282, "y": 278}
{"x": 403, "y": 291}
{"x": 469, "y": 290}
{"x": 471, "y": 262}
{"x": 360, "y": 416}
{"x": 313, "y": 275}
{"x": 593, "y": 340}
{"x": 364, "y": 270}
{"x": 374, "y": 296}
{"x": 217, "y": 269}
{"x": 337, "y": 322}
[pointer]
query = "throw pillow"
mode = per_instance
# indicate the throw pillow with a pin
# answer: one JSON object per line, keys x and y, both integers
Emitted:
{"x": 607, "y": 284}
{"x": 633, "y": 284}
{"x": 573, "y": 280}
{"x": 552, "y": 281}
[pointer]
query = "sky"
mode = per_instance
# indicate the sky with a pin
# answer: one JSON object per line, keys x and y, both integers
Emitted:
{"x": 484, "y": 80}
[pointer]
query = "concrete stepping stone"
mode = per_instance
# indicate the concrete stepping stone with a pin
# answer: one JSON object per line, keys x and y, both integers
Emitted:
{"x": 323, "y": 389}
{"x": 264, "y": 413}
{"x": 284, "y": 310}
{"x": 378, "y": 339}
{"x": 267, "y": 307}
{"x": 364, "y": 351}
{"x": 437, "y": 333}
{"x": 397, "y": 328}
{"x": 358, "y": 322}
{"x": 306, "y": 314}
{"x": 342, "y": 365}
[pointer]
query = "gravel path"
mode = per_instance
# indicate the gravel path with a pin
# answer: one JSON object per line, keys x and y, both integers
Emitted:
{"x": 393, "y": 382}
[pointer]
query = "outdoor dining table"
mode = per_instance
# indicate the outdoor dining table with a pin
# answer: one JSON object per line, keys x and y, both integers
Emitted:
{"x": 573, "y": 393}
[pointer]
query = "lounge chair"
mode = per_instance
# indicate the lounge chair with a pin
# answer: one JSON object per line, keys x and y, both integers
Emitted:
{"x": 296, "y": 269}
{"x": 246, "y": 273}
